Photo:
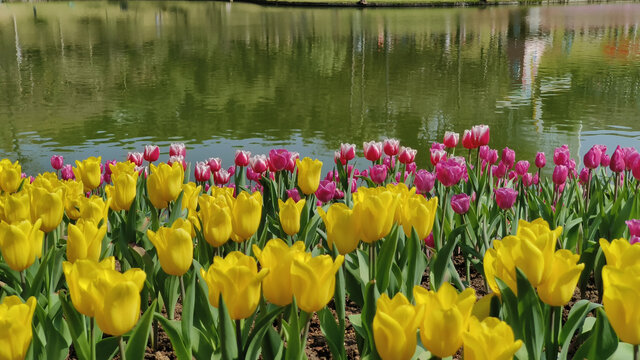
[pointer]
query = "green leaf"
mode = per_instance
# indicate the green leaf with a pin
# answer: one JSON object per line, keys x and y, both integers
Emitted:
{"x": 368, "y": 313}
{"x": 602, "y": 342}
{"x": 387, "y": 254}
{"x": 172, "y": 329}
{"x": 416, "y": 264}
{"x": 576, "y": 317}
{"x": 137, "y": 343}
{"x": 262, "y": 325}
{"x": 530, "y": 312}
{"x": 442, "y": 258}
{"x": 333, "y": 333}
{"x": 227, "y": 332}
{"x": 107, "y": 348}
{"x": 188, "y": 306}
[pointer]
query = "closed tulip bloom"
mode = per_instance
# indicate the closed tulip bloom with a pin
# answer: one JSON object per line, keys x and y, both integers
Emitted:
{"x": 378, "y": 173}
{"x": 165, "y": 184}
{"x": 489, "y": 339}
{"x": 177, "y": 149}
{"x": 621, "y": 291}
{"x": 17, "y": 207}
{"x": 394, "y": 327}
{"x": 391, "y": 147}
{"x": 259, "y": 163}
{"x": 451, "y": 139}
{"x": 372, "y": 150}
{"x": 123, "y": 191}
{"x": 46, "y": 206}
{"x": 377, "y": 209}
{"x": 437, "y": 155}
{"x": 445, "y": 317}
{"x": 10, "y": 176}
{"x": 67, "y": 173}
{"x": 505, "y": 198}
{"x": 634, "y": 227}
{"x": 94, "y": 209}
{"x": 21, "y": 243}
{"x": 80, "y": 276}
{"x": 236, "y": 277}
{"x": 617, "y": 163}
{"x": 561, "y": 155}
{"x": 15, "y": 327}
{"x": 558, "y": 288}
{"x": 313, "y": 280}
{"x": 84, "y": 240}
{"x": 481, "y": 134}
{"x": 221, "y": 177}
{"x": 136, "y": 158}
{"x": 277, "y": 256}
{"x": 460, "y": 203}
{"x": 343, "y": 227}
{"x": 174, "y": 247}
{"x": 73, "y": 194}
{"x": 560, "y": 174}
{"x": 541, "y": 160}
{"x": 467, "y": 140}
{"x": 620, "y": 253}
{"x": 246, "y": 214}
{"x": 418, "y": 213}
{"x": 88, "y": 171}
{"x": 151, "y": 153}
{"x": 57, "y": 162}
{"x": 202, "y": 171}
{"x": 407, "y": 155}
{"x": 190, "y": 196}
{"x": 449, "y": 172}
{"x": 289, "y": 215}
{"x": 215, "y": 214}
{"x": 508, "y": 157}
{"x": 117, "y": 298}
{"x": 326, "y": 190}
{"x": 592, "y": 158}
{"x": 309, "y": 175}
{"x": 215, "y": 164}
{"x": 424, "y": 181}
{"x": 522, "y": 167}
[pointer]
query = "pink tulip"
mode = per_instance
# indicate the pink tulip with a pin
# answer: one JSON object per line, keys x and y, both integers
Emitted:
{"x": 411, "y": 168}
{"x": 291, "y": 163}
{"x": 339, "y": 194}
{"x": 178, "y": 159}
{"x": 508, "y": 157}
{"x": 136, "y": 158}
{"x": 617, "y": 160}
{"x": 630, "y": 157}
{"x": 561, "y": 155}
{"x": 391, "y": 147}
{"x": 505, "y": 197}
{"x": 449, "y": 172}
{"x": 151, "y": 153}
{"x": 231, "y": 170}
{"x": 108, "y": 165}
{"x": 202, "y": 171}
{"x": 635, "y": 169}
{"x": 293, "y": 194}
{"x": 259, "y": 163}
{"x": 634, "y": 227}
{"x": 592, "y": 158}
{"x": 499, "y": 171}
{"x": 429, "y": 241}
{"x": 242, "y": 158}
{"x": 437, "y": 156}
{"x": 541, "y": 160}
{"x": 480, "y": 135}
{"x": 605, "y": 161}
{"x": 326, "y": 190}
{"x": 483, "y": 152}
{"x": 407, "y": 155}
{"x": 522, "y": 167}
{"x": 57, "y": 162}
{"x": 398, "y": 179}
{"x": 177, "y": 149}
{"x": 378, "y": 173}
{"x": 460, "y": 203}
{"x": 257, "y": 187}
{"x": 536, "y": 179}
{"x": 372, "y": 150}
{"x": 347, "y": 152}
{"x": 143, "y": 171}
{"x": 467, "y": 140}
{"x": 560, "y": 174}
{"x": 279, "y": 158}
{"x": 571, "y": 165}
{"x": 424, "y": 181}
{"x": 389, "y": 162}
{"x": 215, "y": 164}
{"x": 512, "y": 175}
{"x": 492, "y": 156}
{"x": 221, "y": 177}
{"x": 451, "y": 139}
{"x": 527, "y": 179}
{"x": 584, "y": 176}
{"x": 634, "y": 240}
{"x": 438, "y": 146}
{"x": 67, "y": 172}
{"x": 252, "y": 175}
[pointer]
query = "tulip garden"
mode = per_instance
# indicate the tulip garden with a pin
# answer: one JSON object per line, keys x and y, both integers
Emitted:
{"x": 474, "y": 256}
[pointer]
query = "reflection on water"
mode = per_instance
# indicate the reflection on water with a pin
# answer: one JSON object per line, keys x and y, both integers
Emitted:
{"x": 107, "y": 77}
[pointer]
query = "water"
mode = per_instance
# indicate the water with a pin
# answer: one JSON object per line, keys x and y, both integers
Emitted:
{"x": 88, "y": 78}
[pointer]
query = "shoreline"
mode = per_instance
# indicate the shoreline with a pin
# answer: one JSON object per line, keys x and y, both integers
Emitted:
{"x": 404, "y": 4}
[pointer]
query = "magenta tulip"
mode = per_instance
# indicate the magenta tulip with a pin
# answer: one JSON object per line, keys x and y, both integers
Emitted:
{"x": 57, "y": 162}
{"x": 407, "y": 155}
{"x": 67, "y": 172}
{"x": 541, "y": 160}
{"x": 202, "y": 171}
{"x": 430, "y": 241}
{"x": 592, "y": 158}
{"x": 499, "y": 171}
{"x": 480, "y": 135}
{"x": 259, "y": 163}
{"x": 242, "y": 158}
{"x": 372, "y": 150}
{"x": 522, "y": 167}
{"x": 293, "y": 194}
{"x": 215, "y": 164}
{"x": 584, "y": 176}
{"x": 605, "y": 161}
{"x": 391, "y": 147}
{"x": 492, "y": 157}
{"x": 177, "y": 149}
{"x": 326, "y": 191}
{"x": 505, "y": 197}
{"x": 451, "y": 139}
{"x": 508, "y": 157}
{"x": 560, "y": 174}
{"x": 460, "y": 203}
{"x": 527, "y": 179}
{"x": 221, "y": 177}
{"x": 291, "y": 164}
{"x": 483, "y": 152}
{"x": 279, "y": 158}
{"x": 378, "y": 173}
{"x": 424, "y": 181}
{"x": 449, "y": 172}
{"x": 151, "y": 153}
{"x": 617, "y": 160}
{"x": 136, "y": 158}
{"x": 630, "y": 157}
{"x": 561, "y": 155}
{"x": 634, "y": 227}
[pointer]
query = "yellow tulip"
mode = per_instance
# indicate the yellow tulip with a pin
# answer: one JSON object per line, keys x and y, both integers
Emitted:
{"x": 174, "y": 246}
{"x": 309, "y": 174}
{"x": 88, "y": 171}
{"x": 10, "y": 176}
{"x": 123, "y": 191}
{"x": 277, "y": 257}
{"x": 343, "y": 227}
{"x": 246, "y": 214}
{"x": 48, "y": 181}
{"x": 80, "y": 276}
{"x": 394, "y": 327}
{"x": 376, "y": 208}
{"x": 165, "y": 183}
{"x": 190, "y": 196}
{"x": 290, "y": 215}
{"x": 117, "y": 300}
{"x": 418, "y": 213}
{"x": 620, "y": 299}
{"x": 558, "y": 288}
{"x": 74, "y": 192}
{"x": 490, "y": 339}
{"x": 404, "y": 193}
{"x": 15, "y": 327}
{"x": 122, "y": 168}
{"x": 84, "y": 240}
{"x": 236, "y": 277}
{"x": 224, "y": 191}
{"x": 2, "y": 205}
{"x": 482, "y": 308}
{"x": 46, "y": 206}
{"x": 21, "y": 243}
{"x": 620, "y": 253}
{"x": 313, "y": 280}
{"x": 215, "y": 214}
{"x": 17, "y": 207}
{"x": 94, "y": 209}
{"x": 445, "y": 317}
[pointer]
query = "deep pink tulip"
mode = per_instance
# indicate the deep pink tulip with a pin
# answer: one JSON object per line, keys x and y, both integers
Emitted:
{"x": 561, "y": 155}
{"x": 571, "y": 165}
{"x": 451, "y": 139}
{"x": 398, "y": 180}
{"x": 391, "y": 147}
{"x": 105, "y": 179}
{"x": 67, "y": 172}
{"x": 522, "y": 167}
{"x": 293, "y": 194}
{"x": 151, "y": 153}
{"x": 108, "y": 164}
{"x": 372, "y": 150}
{"x": 630, "y": 157}
{"x": 326, "y": 190}
{"x": 634, "y": 227}
{"x": 527, "y": 179}
{"x": 499, "y": 171}
{"x": 635, "y": 169}
{"x": 592, "y": 158}
{"x": 460, "y": 203}
{"x": 605, "y": 161}
{"x": 389, "y": 162}
{"x": 634, "y": 240}
{"x": 231, "y": 170}
{"x": 467, "y": 140}
{"x": 560, "y": 174}
{"x": 215, "y": 164}
{"x": 221, "y": 177}
{"x": 252, "y": 175}
{"x": 505, "y": 197}
{"x": 438, "y": 146}
{"x": 242, "y": 158}
{"x": 378, "y": 173}
{"x": 584, "y": 176}
{"x": 617, "y": 160}
{"x": 536, "y": 179}
{"x": 259, "y": 163}
{"x": 424, "y": 181}
{"x": 339, "y": 194}
{"x": 449, "y": 172}
{"x": 332, "y": 176}
{"x": 492, "y": 157}
{"x": 279, "y": 158}
{"x": 480, "y": 135}
{"x": 354, "y": 185}
{"x": 407, "y": 155}
{"x": 143, "y": 171}
{"x": 508, "y": 157}
{"x": 483, "y": 152}
{"x": 347, "y": 152}
{"x": 177, "y": 149}
{"x": 411, "y": 168}
{"x": 178, "y": 159}
{"x": 429, "y": 241}
{"x": 291, "y": 163}
{"x": 57, "y": 162}
{"x": 437, "y": 156}
{"x": 136, "y": 158}
{"x": 512, "y": 175}
{"x": 541, "y": 160}
{"x": 202, "y": 171}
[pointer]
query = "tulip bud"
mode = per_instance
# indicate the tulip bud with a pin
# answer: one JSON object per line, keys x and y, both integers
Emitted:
{"x": 449, "y": 172}
{"x": 378, "y": 173}
{"x": 259, "y": 163}
{"x": 561, "y": 155}
{"x": 309, "y": 172}
{"x": 617, "y": 163}
{"x": 508, "y": 157}
{"x": 151, "y": 153}
{"x": 592, "y": 158}
{"x": 136, "y": 158}
{"x": 460, "y": 203}
{"x": 372, "y": 150}
{"x": 489, "y": 339}
{"x": 16, "y": 318}
{"x": 560, "y": 174}
{"x": 522, "y": 167}
{"x": 289, "y": 215}
{"x": 541, "y": 160}
{"x": 246, "y": 214}
{"x": 394, "y": 327}
{"x": 242, "y": 158}
{"x": 451, "y": 139}
{"x": 480, "y": 135}
{"x": 177, "y": 149}
{"x": 505, "y": 197}
{"x": 467, "y": 140}
{"x": 326, "y": 190}
{"x": 584, "y": 176}
{"x": 57, "y": 162}
{"x": 407, "y": 155}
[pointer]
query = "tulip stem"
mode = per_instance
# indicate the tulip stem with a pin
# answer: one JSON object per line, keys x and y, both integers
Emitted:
{"x": 122, "y": 349}
{"x": 92, "y": 344}
{"x": 239, "y": 339}
{"x": 23, "y": 281}
{"x": 441, "y": 239}
{"x": 182, "y": 292}
{"x": 372, "y": 261}
{"x": 635, "y": 352}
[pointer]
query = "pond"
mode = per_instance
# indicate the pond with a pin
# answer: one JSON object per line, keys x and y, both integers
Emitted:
{"x": 104, "y": 78}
